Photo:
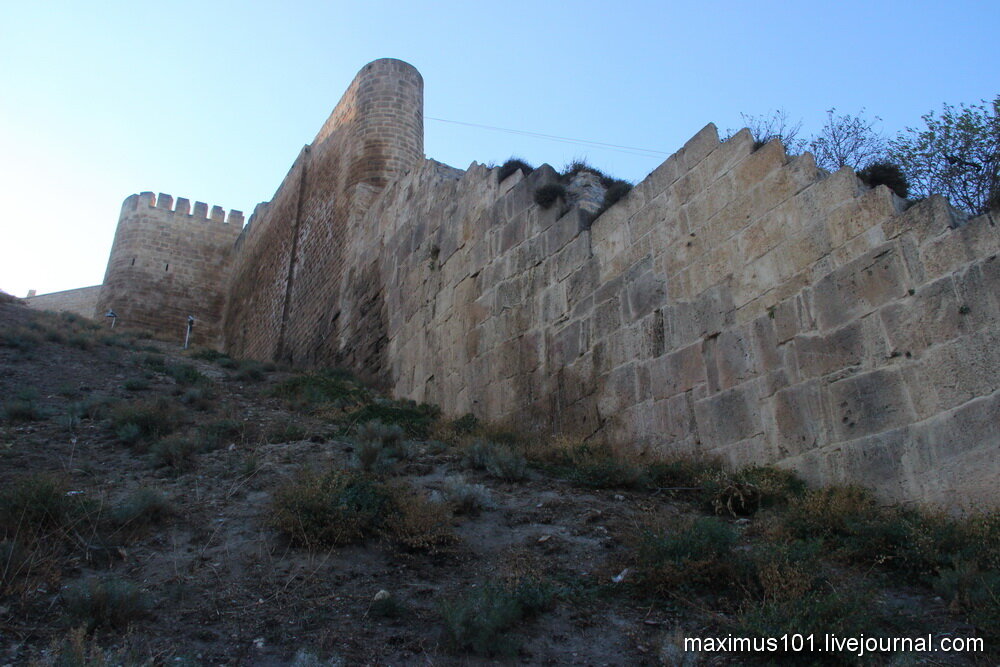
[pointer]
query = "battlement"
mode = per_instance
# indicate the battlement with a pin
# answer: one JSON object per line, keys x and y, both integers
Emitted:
{"x": 182, "y": 206}
{"x": 739, "y": 303}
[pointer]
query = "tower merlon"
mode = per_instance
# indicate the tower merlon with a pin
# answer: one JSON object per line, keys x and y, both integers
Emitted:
{"x": 181, "y": 206}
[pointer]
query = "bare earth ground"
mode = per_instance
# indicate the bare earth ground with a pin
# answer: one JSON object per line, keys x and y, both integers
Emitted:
{"x": 227, "y": 588}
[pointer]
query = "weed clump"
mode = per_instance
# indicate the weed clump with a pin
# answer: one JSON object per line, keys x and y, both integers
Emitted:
{"x": 144, "y": 421}
{"x": 136, "y": 384}
{"x": 37, "y": 503}
{"x": 155, "y": 362}
{"x": 549, "y": 194}
{"x": 615, "y": 192}
{"x": 98, "y": 407}
{"x": 221, "y": 432}
{"x": 784, "y": 572}
{"x": 208, "y": 354}
{"x": 497, "y": 459}
{"x": 185, "y": 374}
{"x": 379, "y": 446}
{"x": 695, "y": 556}
{"x": 15, "y": 565}
{"x": 21, "y": 339}
{"x": 959, "y": 559}
{"x": 23, "y": 408}
{"x": 418, "y": 524}
{"x": 887, "y": 174}
{"x": 512, "y": 165}
{"x": 249, "y": 371}
{"x": 845, "y": 613}
{"x": 285, "y": 431}
{"x": 336, "y": 508}
{"x": 415, "y": 419}
{"x": 466, "y": 424}
{"x": 479, "y": 621}
{"x": 175, "y": 452}
{"x": 308, "y": 392}
{"x": 105, "y": 602}
{"x": 143, "y": 507}
{"x": 465, "y": 498}
{"x": 577, "y": 166}
{"x": 598, "y": 467}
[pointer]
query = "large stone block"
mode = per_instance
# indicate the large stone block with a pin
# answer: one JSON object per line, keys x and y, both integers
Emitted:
{"x": 859, "y": 287}
{"x": 796, "y": 419}
{"x": 978, "y": 289}
{"x": 820, "y": 354}
{"x": 618, "y": 392}
{"x": 674, "y": 418}
{"x": 868, "y": 403}
{"x": 652, "y": 215}
{"x": 735, "y": 357}
{"x": 860, "y": 214}
{"x": 925, "y": 220}
{"x": 953, "y": 459}
{"x": 677, "y": 371}
{"x": 607, "y": 318}
{"x": 962, "y": 369}
{"x": 645, "y": 291}
{"x": 729, "y": 416}
{"x": 930, "y": 316}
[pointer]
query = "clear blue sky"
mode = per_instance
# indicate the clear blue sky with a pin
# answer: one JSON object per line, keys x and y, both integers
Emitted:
{"x": 213, "y": 100}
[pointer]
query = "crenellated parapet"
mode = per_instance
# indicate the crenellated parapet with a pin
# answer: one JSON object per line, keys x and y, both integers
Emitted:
{"x": 738, "y": 303}
{"x": 169, "y": 260}
{"x": 182, "y": 207}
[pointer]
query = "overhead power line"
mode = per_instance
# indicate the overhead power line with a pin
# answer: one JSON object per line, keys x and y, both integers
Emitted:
{"x": 632, "y": 150}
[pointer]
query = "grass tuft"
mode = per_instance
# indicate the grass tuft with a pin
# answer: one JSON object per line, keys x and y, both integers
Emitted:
{"x": 497, "y": 459}
{"x": 467, "y": 499}
{"x": 512, "y": 165}
{"x": 178, "y": 453}
{"x": 547, "y": 195}
{"x": 696, "y": 555}
{"x": 105, "y": 602}
{"x": 143, "y": 421}
{"x": 141, "y": 508}
{"x": 479, "y": 621}
{"x": 378, "y": 446}
{"x": 335, "y": 508}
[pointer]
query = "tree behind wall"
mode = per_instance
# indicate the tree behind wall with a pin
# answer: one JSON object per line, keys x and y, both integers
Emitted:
{"x": 848, "y": 141}
{"x": 956, "y": 155}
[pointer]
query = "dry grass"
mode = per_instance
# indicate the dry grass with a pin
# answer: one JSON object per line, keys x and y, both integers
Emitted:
{"x": 417, "y": 523}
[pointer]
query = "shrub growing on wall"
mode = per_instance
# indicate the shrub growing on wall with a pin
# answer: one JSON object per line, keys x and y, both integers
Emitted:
{"x": 549, "y": 194}
{"x": 887, "y": 174}
{"x": 512, "y": 165}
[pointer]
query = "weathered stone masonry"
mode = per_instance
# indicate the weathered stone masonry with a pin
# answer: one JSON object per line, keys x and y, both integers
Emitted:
{"x": 168, "y": 262}
{"x": 738, "y": 302}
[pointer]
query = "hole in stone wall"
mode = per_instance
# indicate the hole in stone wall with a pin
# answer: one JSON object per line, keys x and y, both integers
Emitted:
{"x": 133, "y": 261}
{"x": 166, "y": 267}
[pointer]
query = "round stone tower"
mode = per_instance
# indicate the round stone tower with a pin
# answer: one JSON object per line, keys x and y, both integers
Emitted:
{"x": 169, "y": 262}
{"x": 383, "y": 114}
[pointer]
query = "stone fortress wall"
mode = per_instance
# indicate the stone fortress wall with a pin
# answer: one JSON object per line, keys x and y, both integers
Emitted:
{"x": 81, "y": 301}
{"x": 305, "y": 287}
{"x": 738, "y": 302}
{"x": 168, "y": 262}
